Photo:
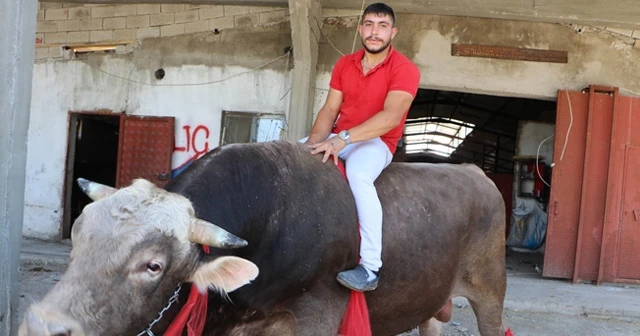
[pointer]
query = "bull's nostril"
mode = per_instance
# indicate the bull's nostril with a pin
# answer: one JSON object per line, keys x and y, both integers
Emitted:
{"x": 68, "y": 333}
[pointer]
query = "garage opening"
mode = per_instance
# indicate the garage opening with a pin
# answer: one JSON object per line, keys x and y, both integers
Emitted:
{"x": 92, "y": 154}
{"x": 510, "y": 138}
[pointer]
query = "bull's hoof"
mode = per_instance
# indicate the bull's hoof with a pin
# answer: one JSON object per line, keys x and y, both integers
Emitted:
{"x": 357, "y": 279}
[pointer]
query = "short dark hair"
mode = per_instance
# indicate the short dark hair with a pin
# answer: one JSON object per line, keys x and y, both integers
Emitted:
{"x": 380, "y": 9}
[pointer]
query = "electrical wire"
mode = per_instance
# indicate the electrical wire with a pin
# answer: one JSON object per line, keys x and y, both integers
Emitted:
{"x": 538, "y": 156}
{"x": 327, "y": 37}
{"x": 355, "y": 35}
{"x": 186, "y": 84}
{"x": 566, "y": 140}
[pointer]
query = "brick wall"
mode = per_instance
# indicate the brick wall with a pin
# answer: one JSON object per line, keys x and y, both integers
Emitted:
{"x": 62, "y": 24}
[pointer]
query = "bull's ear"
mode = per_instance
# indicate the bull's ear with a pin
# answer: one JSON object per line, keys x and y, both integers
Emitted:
{"x": 224, "y": 274}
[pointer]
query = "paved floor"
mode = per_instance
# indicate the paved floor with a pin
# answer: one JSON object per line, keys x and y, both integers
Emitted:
{"x": 527, "y": 291}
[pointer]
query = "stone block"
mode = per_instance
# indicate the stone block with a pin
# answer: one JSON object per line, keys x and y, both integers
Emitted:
{"x": 173, "y": 8}
{"x": 221, "y": 23}
{"x": 40, "y": 38}
{"x": 329, "y": 12}
{"x": 68, "y": 25}
{"x": 138, "y": 21}
{"x": 148, "y": 9}
{"x": 161, "y": 19}
{"x": 50, "y": 38}
{"x": 259, "y": 9}
{"x": 621, "y": 31}
{"x": 235, "y": 10}
{"x": 125, "y": 10}
{"x": 247, "y": 20}
{"x": 196, "y": 27}
{"x": 211, "y": 12}
{"x": 172, "y": 30}
{"x": 78, "y": 37}
{"x": 124, "y": 34}
{"x": 147, "y": 32}
{"x": 102, "y": 12}
{"x": 196, "y": 6}
{"x": 47, "y": 5}
{"x": 90, "y": 24}
{"x": 79, "y": 13}
{"x": 349, "y": 12}
{"x": 273, "y": 17}
{"x": 56, "y": 14}
{"x": 41, "y": 53}
{"x": 47, "y": 27}
{"x": 190, "y": 16}
{"x": 101, "y": 35}
{"x": 40, "y": 16}
{"x": 56, "y": 52}
{"x": 114, "y": 23}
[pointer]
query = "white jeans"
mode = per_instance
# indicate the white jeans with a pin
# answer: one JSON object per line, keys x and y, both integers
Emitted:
{"x": 364, "y": 162}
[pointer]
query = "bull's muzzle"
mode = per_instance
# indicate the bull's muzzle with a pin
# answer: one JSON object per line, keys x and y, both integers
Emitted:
{"x": 39, "y": 321}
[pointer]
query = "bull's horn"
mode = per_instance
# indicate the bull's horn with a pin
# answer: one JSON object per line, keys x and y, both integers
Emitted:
{"x": 95, "y": 191}
{"x": 205, "y": 233}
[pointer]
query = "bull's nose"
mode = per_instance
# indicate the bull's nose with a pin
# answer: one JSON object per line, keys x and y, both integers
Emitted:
{"x": 40, "y": 322}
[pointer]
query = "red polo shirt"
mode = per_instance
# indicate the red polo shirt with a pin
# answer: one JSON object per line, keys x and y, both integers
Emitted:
{"x": 364, "y": 96}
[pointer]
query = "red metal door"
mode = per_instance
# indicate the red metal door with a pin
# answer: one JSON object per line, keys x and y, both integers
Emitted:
{"x": 621, "y": 237}
{"x": 145, "y": 149}
{"x": 628, "y": 256}
{"x": 566, "y": 181}
{"x": 594, "y": 212}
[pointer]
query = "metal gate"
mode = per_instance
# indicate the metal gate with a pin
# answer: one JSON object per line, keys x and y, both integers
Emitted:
{"x": 145, "y": 149}
{"x": 594, "y": 210}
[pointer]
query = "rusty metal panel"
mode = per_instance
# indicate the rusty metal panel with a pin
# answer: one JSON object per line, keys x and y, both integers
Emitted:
{"x": 620, "y": 255}
{"x": 145, "y": 149}
{"x": 628, "y": 256}
{"x": 509, "y": 53}
{"x": 566, "y": 191}
{"x": 594, "y": 186}
{"x": 620, "y": 136}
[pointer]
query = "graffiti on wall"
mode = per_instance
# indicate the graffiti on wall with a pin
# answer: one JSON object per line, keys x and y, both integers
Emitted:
{"x": 197, "y": 143}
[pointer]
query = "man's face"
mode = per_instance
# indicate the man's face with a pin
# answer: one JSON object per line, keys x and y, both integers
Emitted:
{"x": 376, "y": 32}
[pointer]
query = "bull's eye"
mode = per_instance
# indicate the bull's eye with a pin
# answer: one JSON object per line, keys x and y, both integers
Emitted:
{"x": 154, "y": 267}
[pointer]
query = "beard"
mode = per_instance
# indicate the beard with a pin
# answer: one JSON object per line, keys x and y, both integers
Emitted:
{"x": 375, "y": 50}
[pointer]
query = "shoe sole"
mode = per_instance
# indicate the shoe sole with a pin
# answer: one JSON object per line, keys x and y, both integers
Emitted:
{"x": 342, "y": 282}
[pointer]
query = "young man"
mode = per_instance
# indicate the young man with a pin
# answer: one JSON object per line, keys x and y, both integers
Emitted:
{"x": 369, "y": 97}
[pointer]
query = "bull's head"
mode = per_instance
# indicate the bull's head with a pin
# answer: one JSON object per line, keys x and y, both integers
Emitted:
{"x": 131, "y": 248}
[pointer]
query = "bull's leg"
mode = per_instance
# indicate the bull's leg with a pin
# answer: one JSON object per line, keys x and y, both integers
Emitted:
{"x": 430, "y": 327}
{"x": 489, "y": 316}
{"x": 485, "y": 289}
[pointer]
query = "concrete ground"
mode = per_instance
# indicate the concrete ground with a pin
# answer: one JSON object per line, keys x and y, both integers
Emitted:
{"x": 533, "y": 305}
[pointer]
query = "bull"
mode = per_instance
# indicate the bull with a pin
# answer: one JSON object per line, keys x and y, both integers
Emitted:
{"x": 443, "y": 236}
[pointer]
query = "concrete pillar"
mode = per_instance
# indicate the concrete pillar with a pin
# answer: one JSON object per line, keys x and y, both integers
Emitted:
{"x": 306, "y": 16}
{"x": 17, "y": 43}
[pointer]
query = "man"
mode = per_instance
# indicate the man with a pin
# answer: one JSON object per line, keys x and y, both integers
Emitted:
{"x": 369, "y": 97}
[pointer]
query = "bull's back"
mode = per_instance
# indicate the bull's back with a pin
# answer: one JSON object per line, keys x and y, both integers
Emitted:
{"x": 437, "y": 219}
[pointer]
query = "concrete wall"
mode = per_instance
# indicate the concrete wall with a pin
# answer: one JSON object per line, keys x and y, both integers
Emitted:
{"x": 199, "y": 43}
{"x": 62, "y": 83}
{"x": 597, "y": 55}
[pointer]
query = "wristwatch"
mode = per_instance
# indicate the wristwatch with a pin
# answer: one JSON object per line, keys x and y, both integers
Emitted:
{"x": 344, "y": 136}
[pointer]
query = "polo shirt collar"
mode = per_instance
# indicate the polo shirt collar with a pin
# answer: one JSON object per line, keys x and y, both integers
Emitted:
{"x": 357, "y": 57}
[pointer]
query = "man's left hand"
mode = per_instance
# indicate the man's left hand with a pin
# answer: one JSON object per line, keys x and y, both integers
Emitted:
{"x": 330, "y": 147}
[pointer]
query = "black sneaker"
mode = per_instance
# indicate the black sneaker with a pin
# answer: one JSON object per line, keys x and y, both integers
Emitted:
{"x": 357, "y": 279}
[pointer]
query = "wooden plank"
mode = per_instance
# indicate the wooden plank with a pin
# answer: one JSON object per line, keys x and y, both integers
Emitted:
{"x": 509, "y": 53}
